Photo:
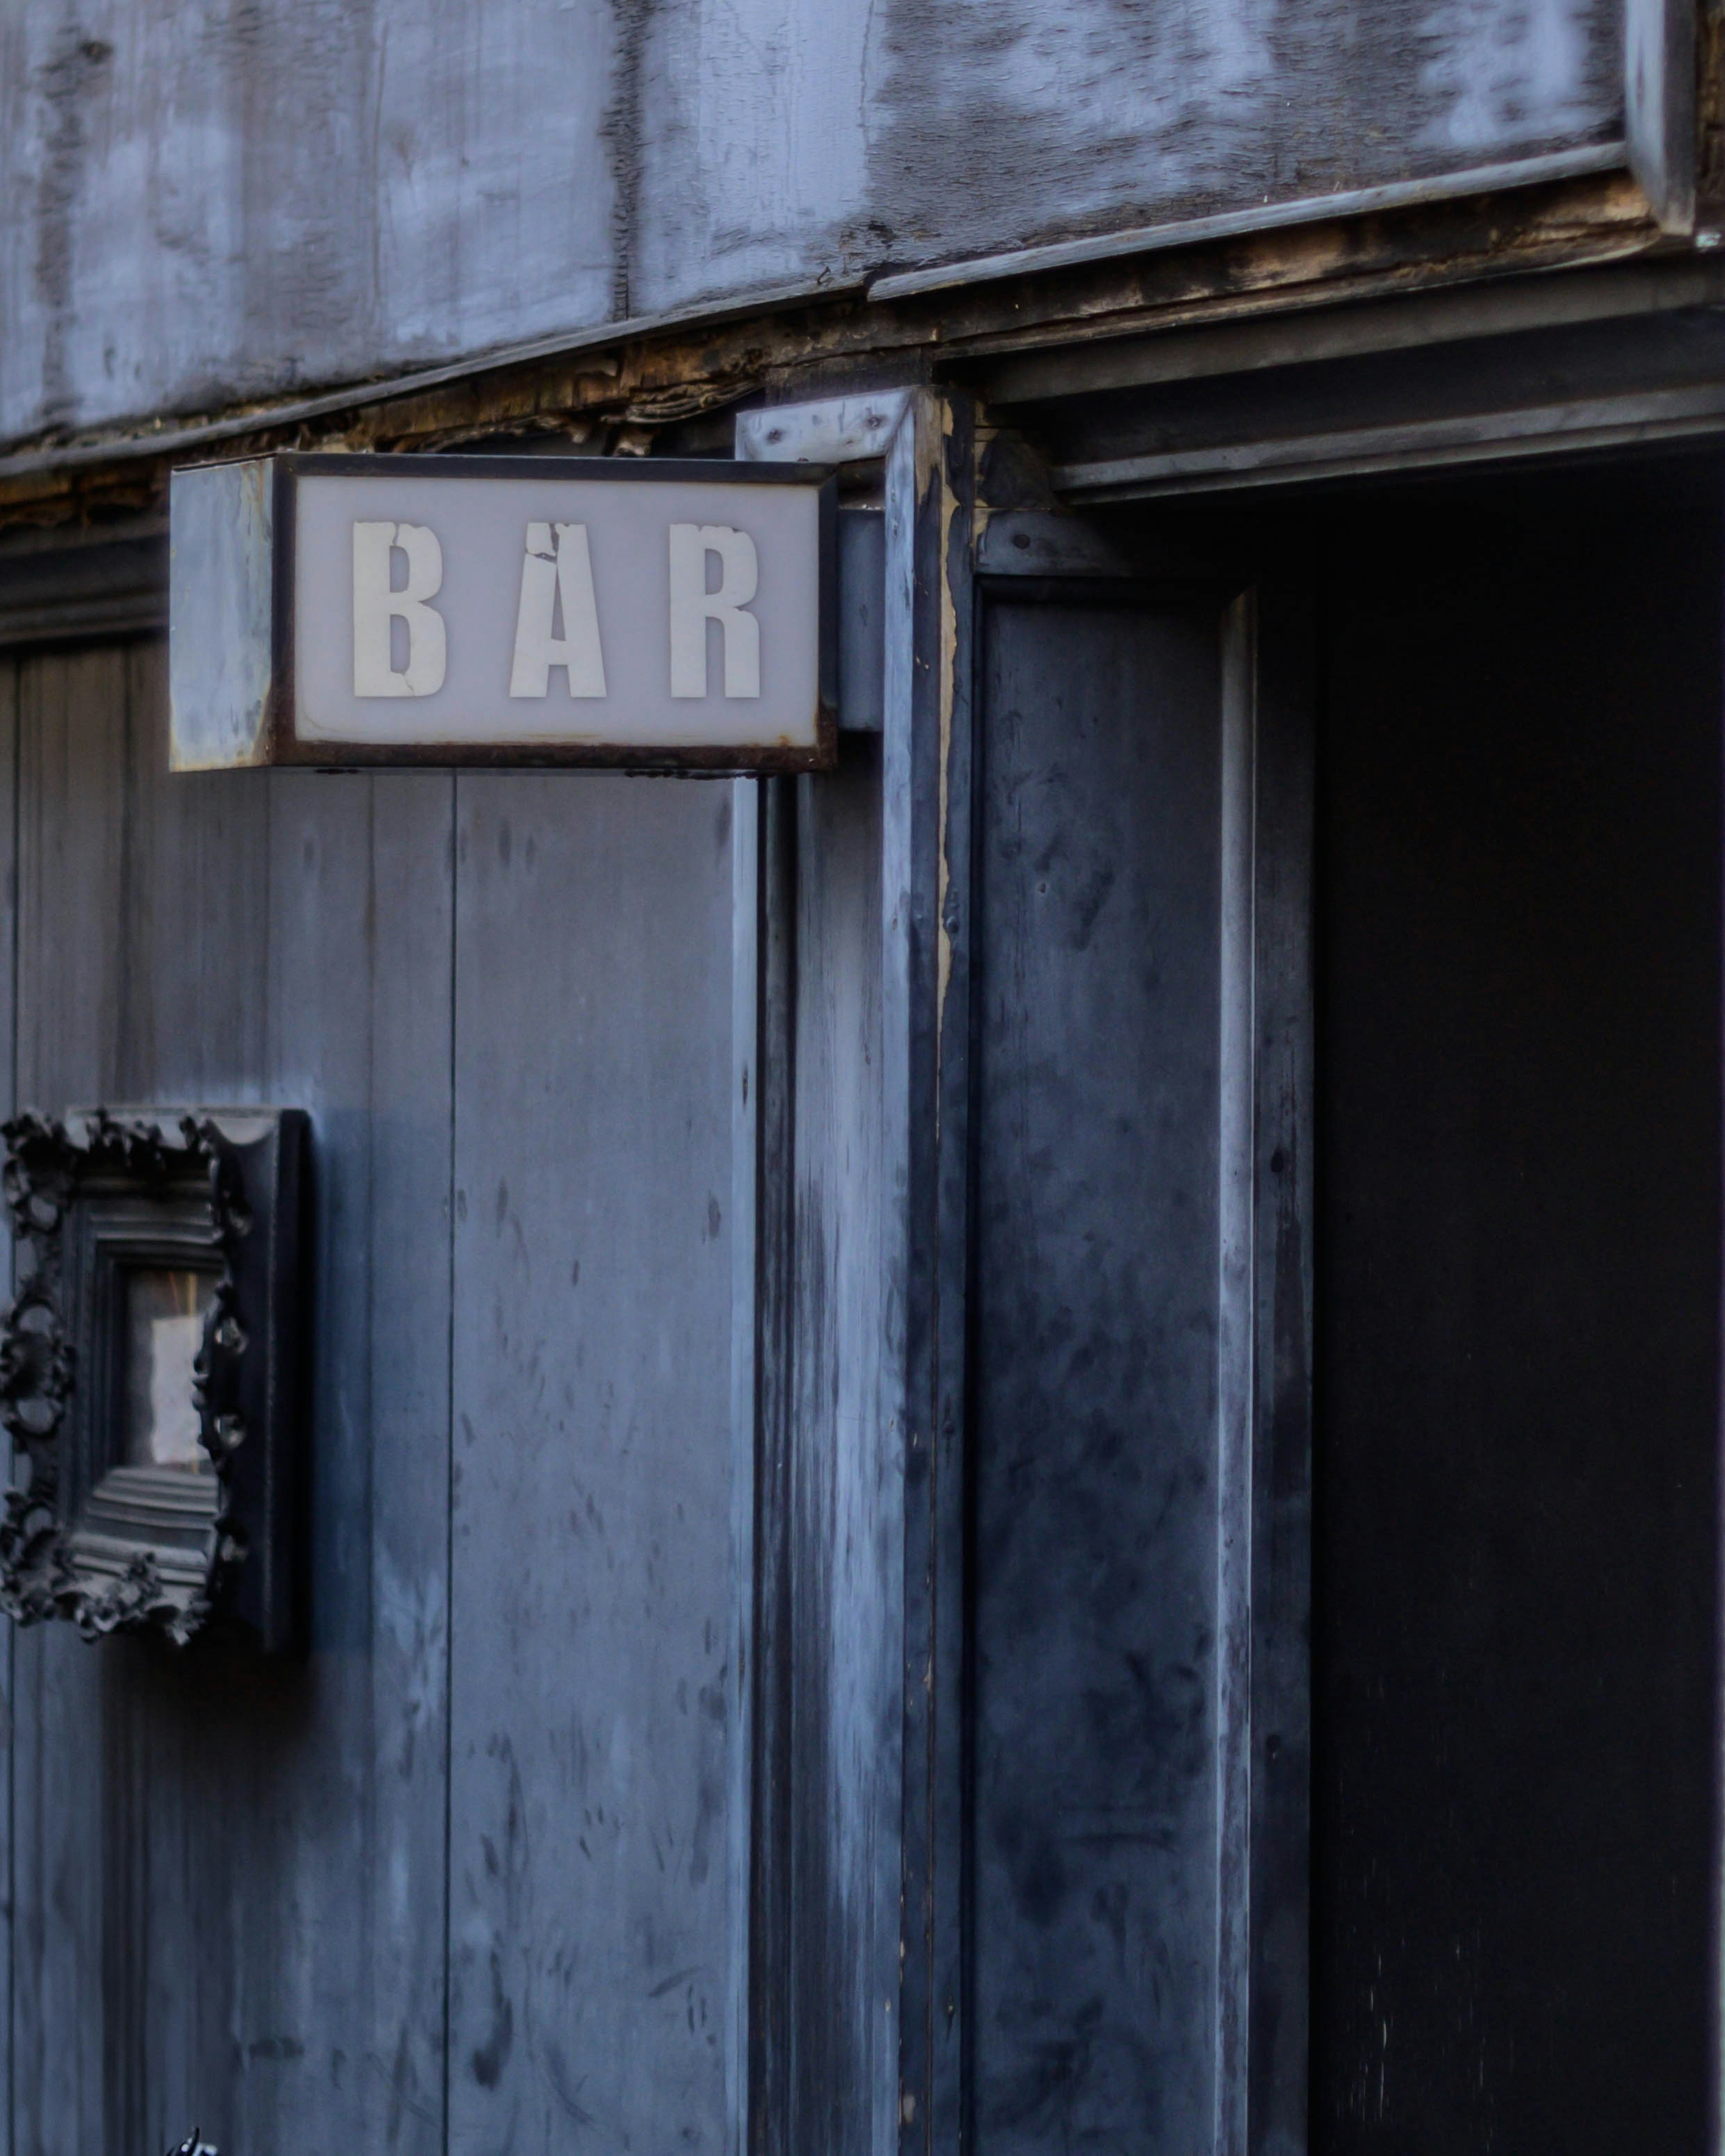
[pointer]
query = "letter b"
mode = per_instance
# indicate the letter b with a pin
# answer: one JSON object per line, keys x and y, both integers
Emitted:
{"x": 377, "y": 605}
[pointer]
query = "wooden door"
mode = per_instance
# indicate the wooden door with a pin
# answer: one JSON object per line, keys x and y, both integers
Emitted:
{"x": 1136, "y": 1436}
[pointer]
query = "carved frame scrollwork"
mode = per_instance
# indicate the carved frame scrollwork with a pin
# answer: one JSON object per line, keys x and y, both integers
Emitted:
{"x": 221, "y": 1189}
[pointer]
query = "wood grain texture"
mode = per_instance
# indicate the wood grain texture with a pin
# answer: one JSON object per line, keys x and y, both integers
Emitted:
{"x": 927, "y": 817}
{"x": 230, "y": 1873}
{"x": 72, "y": 718}
{"x": 1140, "y": 1428}
{"x": 827, "y": 1789}
{"x": 591, "y": 1597}
{"x": 424, "y": 183}
{"x": 1284, "y": 1148}
{"x": 1096, "y": 1384}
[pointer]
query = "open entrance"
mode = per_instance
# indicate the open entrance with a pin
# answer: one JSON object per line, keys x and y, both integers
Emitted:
{"x": 1518, "y": 1266}
{"x": 1508, "y": 691}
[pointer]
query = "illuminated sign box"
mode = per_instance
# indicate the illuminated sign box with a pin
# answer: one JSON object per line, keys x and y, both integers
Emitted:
{"x": 341, "y": 610}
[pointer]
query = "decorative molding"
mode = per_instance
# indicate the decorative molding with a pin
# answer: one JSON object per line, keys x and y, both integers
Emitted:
{"x": 112, "y": 1546}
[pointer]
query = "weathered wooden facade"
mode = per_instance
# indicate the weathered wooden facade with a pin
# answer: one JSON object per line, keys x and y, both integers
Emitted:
{"x": 1014, "y": 1448}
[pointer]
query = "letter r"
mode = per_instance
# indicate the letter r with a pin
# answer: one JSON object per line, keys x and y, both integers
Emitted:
{"x": 693, "y": 606}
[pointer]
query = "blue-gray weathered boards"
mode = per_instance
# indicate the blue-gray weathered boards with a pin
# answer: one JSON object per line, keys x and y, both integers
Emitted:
{"x": 508, "y": 1009}
{"x": 295, "y": 196}
{"x": 829, "y": 1555}
{"x": 592, "y": 1589}
{"x": 1095, "y": 1386}
{"x": 9, "y": 670}
{"x": 1138, "y": 1434}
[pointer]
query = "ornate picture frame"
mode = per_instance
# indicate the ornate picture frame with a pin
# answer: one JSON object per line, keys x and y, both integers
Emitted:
{"x": 150, "y": 1371}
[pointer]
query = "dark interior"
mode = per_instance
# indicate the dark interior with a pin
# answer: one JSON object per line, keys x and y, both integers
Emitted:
{"x": 1518, "y": 1306}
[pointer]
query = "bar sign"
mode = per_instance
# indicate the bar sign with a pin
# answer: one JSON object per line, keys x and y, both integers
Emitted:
{"x": 349, "y": 610}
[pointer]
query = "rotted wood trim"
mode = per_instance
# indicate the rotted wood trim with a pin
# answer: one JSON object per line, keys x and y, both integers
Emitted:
{"x": 619, "y": 386}
{"x": 1262, "y": 217}
{"x": 196, "y": 434}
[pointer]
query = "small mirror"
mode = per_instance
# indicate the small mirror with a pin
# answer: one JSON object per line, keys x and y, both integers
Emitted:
{"x": 165, "y": 1312}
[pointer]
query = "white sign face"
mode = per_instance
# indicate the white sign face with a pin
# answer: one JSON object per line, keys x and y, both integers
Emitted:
{"x": 457, "y": 608}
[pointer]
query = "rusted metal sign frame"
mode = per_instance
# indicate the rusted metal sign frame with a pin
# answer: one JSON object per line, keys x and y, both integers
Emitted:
{"x": 278, "y": 743}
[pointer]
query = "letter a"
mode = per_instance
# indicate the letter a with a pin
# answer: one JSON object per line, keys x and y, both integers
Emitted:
{"x": 693, "y": 606}
{"x": 548, "y": 576}
{"x": 377, "y": 605}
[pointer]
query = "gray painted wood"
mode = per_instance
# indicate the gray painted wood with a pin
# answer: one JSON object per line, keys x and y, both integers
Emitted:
{"x": 8, "y": 1044}
{"x": 1660, "y": 63}
{"x": 230, "y": 1874}
{"x": 591, "y": 1593}
{"x": 930, "y": 487}
{"x": 862, "y": 620}
{"x": 849, "y": 1509}
{"x": 1278, "y": 2036}
{"x": 828, "y": 1784}
{"x": 1096, "y": 1459}
{"x": 1140, "y": 1422}
{"x": 745, "y": 1245}
{"x": 295, "y": 199}
{"x": 827, "y": 1298}
{"x": 72, "y": 715}
{"x": 345, "y": 1876}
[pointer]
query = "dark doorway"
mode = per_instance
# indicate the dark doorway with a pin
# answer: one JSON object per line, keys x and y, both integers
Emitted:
{"x": 1517, "y": 1311}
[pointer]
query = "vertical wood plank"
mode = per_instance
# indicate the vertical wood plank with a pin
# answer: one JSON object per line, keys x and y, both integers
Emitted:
{"x": 1280, "y": 1767}
{"x": 342, "y": 2007}
{"x": 833, "y": 916}
{"x": 1103, "y": 1374}
{"x": 1236, "y": 1328}
{"x": 830, "y": 1504}
{"x": 745, "y": 1172}
{"x": 72, "y": 715}
{"x": 775, "y": 2008}
{"x": 9, "y": 1057}
{"x": 591, "y": 1601}
{"x": 847, "y": 1493}
{"x": 925, "y": 902}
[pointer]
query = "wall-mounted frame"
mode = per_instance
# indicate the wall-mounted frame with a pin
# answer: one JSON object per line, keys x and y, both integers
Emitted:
{"x": 150, "y": 1369}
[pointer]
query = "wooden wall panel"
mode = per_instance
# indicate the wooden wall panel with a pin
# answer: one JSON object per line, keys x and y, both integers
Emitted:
{"x": 229, "y": 1872}
{"x": 592, "y": 1588}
